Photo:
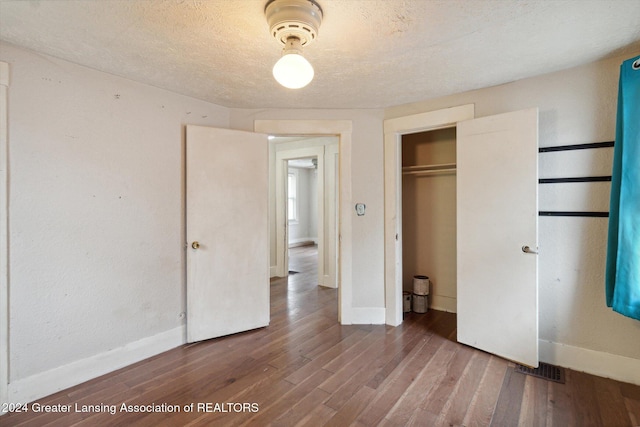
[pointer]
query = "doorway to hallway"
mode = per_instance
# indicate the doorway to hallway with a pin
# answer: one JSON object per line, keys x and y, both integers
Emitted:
{"x": 341, "y": 159}
{"x": 306, "y": 208}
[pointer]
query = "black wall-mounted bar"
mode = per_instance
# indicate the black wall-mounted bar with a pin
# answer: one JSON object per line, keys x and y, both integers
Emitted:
{"x": 577, "y": 179}
{"x": 581, "y": 179}
{"x": 576, "y": 147}
{"x": 571, "y": 213}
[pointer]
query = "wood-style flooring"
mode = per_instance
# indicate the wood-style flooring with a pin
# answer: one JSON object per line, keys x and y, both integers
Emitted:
{"x": 305, "y": 369}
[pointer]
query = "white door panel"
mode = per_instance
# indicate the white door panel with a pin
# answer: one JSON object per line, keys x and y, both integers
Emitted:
{"x": 497, "y": 214}
{"x": 227, "y": 214}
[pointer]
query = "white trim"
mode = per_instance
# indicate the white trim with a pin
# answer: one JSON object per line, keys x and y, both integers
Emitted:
{"x": 429, "y": 120}
{"x": 367, "y": 315}
{"x": 294, "y": 220}
{"x": 442, "y": 303}
{"x": 4, "y": 74}
{"x": 49, "y": 382}
{"x": 4, "y": 231}
{"x": 593, "y": 362}
{"x": 393, "y": 131}
{"x": 272, "y": 271}
{"x": 343, "y": 129}
{"x": 327, "y": 282}
{"x": 332, "y": 180}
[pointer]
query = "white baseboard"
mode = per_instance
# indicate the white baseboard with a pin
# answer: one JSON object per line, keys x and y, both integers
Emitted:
{"x": 328, "y": 283}
{"x": 272, "y": 271}
{"x": 45, "y": 383}
{"x": 442, "y": 303}
{"x": 599, "y": 363}
{"x": 366, "y": 316}
{"x": 304, "y": 241}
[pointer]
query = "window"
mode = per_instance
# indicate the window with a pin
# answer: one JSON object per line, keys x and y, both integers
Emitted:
{"x": 292, "y": 201}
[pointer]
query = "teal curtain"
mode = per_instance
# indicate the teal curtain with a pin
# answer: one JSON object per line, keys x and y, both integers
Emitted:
{"x": 623, "y": 250}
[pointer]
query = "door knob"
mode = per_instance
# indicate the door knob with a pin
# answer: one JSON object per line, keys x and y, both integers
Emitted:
{"x": 528, "y": 250}
{"x": 195, "y": 245}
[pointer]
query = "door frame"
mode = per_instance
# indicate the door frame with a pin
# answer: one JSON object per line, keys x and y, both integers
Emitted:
{"x": 332, "y": 210}
{"x": 342, "y": 129}
{"x": 394, "y": 129}
{"x": 282, "y": 232}
{"x": 4, "y": 232}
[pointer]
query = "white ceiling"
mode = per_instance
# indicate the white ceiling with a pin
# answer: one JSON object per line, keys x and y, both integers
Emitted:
{"x": 369, "y": 53}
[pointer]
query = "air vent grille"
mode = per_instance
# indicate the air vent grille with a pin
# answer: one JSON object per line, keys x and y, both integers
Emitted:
{"x": 544, "y": 370}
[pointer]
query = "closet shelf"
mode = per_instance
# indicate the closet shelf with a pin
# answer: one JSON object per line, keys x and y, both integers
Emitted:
{"x": 429, "y": 169}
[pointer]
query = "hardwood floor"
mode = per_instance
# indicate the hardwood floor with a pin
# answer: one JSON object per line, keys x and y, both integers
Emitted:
{"x": 305, "y": 369}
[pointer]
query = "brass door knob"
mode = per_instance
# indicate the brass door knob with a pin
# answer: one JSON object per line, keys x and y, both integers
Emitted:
{"x": 195, "y": 245}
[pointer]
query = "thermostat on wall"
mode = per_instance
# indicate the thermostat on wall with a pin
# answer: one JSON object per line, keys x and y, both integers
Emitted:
{"x": 360, "y": 207}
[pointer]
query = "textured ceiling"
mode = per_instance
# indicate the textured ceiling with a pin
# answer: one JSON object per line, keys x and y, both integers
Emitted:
{"x": 369, "y": 53}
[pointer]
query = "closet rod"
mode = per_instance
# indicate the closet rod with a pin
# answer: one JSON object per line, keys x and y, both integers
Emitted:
{"x": 437, "y": 167}
{"x": 576, "y": 146}
{"x": 580, "y": 179}
{"x": 429, "y": 172}
{"x": 572, "y": 213}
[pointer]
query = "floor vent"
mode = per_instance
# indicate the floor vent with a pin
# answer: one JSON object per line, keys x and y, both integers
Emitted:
{"x": 291, "y": 272}
{"x": 545, "y": 371}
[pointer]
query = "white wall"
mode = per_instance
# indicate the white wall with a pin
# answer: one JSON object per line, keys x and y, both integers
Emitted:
{"x": 96, "y": 223}
{"x": 305, "y": 229}
{"x": 576, "y": 106}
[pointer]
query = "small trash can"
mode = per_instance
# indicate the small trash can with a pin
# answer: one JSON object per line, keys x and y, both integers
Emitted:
{"x": 420, "y": 303}
{"x": 406, "y": 302}
{"x": 421, "y": 285}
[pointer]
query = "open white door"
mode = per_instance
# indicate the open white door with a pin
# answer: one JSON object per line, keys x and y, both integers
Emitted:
{"x": 497, "y": 216}
{"x": 227, "y": 232}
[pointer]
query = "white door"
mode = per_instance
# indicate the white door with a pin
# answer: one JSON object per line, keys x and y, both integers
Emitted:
{"x": 227, "y": 232}
{"x": 497, "y": 216}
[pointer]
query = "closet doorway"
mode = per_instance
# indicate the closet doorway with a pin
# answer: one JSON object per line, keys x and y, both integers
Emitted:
{"x": 496, "y": 219}
{"x": 429, "y": 214}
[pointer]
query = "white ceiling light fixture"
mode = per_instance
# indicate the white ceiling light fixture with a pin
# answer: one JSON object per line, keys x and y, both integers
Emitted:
{"x": 294, "y": 24}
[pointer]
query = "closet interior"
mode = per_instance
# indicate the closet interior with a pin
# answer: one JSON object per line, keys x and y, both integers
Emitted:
{"x": 429, "y": 214}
